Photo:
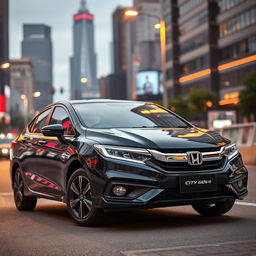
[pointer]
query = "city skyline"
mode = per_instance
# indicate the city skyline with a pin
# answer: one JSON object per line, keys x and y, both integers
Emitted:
{"x": 61, "y": 23}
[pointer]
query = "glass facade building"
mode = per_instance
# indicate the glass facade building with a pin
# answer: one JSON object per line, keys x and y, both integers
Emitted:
{"x": 37, "y": 46}
{"x": 83, "y": 71}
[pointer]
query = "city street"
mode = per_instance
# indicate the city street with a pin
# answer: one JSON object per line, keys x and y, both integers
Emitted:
{"x": 166, "y": 231}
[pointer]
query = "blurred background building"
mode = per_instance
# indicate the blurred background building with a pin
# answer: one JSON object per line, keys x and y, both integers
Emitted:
{"x": 83, "y": 71}
{"x": 210, "y": 44}
{"x": 142, "y": 43}
{"x": 4, "y": 53}
{"x": 37, "y": 45}
{"x": 22, "y": 79}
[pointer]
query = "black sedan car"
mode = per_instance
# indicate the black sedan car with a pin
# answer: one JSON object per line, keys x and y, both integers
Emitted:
{"x": 104, "y": 154}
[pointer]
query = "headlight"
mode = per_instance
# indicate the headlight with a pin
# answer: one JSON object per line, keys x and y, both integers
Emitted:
{"x": 136, "y": 155}
{"x": 5, "y": 151}
{"x": 231, "y": 151}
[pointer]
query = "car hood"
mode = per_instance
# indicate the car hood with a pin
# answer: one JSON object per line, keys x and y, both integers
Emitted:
{"x": 155, "y": 138}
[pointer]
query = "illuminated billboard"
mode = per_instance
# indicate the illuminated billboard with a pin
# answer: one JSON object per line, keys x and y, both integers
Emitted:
{"x": 148, "y": 83}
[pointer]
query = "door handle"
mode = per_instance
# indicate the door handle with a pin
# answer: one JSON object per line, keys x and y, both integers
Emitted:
{"x": 42, "y": 141}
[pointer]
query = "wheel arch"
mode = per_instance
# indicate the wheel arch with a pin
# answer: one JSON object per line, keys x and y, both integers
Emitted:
{"x": 15, "y": 166}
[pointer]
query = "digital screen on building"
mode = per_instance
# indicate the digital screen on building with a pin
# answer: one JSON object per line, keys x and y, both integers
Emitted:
{"x": 148, "y": 83}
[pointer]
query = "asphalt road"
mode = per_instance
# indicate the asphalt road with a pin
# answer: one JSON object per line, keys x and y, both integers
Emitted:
{"x": 167, "y": 231}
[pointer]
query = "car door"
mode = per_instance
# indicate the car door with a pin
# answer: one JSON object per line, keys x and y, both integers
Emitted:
{"x": 56, "y": 154}
{"x": 29, "y": 149}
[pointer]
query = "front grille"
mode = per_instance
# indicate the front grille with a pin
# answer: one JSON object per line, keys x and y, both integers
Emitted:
{"x": 184, "y": 166}
{"x": 173, "y": 194}
{"x": 182, "y": 150}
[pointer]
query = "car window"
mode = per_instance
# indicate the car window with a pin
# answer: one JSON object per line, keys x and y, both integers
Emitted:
{"x": 39, "y": 122}
{"x": 108, "y": 115}
{"x": 60, "y": 116}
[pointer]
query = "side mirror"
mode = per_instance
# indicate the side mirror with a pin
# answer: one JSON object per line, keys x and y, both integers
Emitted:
{"x": 53, "y": 130}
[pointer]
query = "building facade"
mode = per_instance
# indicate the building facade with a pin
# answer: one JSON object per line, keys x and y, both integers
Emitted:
{"x": 37, "y": 46}
{"x": 23, "y": 80}
{"x": 210, "y": 44}
{"x": 142, "y": 42}
{"x": 83, "y": 71}
{"x": 4, "y": 52}
{"x": 113, "y": 86}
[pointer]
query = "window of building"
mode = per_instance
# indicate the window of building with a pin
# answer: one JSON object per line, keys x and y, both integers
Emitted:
{"x": 195, "y": 64}
{"x": 239, "y": 22}
{"x": 194, "y": 42}
{"x": 228, "y": 4}
{"x": 189, "y": 5}
{"x": 196, "y": 21}
{"x": 60, "y": 116}
{"x": 240, "y": 49}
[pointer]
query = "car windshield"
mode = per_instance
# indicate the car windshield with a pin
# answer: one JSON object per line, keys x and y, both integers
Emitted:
{"x": 106, "y": 115}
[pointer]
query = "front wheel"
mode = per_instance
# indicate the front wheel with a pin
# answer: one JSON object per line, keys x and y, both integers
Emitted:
{"x": 215, "y": 209}
{"x": 79, "y": 200}
{"x": 23, "y": 203}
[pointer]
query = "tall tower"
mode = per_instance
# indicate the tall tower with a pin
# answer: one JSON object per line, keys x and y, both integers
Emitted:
{"x": 83, "y": 63}
{"x": 37, "y": 45}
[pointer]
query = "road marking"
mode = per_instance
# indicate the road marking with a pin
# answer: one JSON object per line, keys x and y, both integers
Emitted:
{"x": 245, "y": 204}
{"x": 6, "y": 194}
{"x": 137, "y": 252}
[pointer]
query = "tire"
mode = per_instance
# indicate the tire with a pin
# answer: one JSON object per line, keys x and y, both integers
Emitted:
{"x": 216, "y": 209}
{"x": 22, "y": 202}
{"x": 79, "y": 202}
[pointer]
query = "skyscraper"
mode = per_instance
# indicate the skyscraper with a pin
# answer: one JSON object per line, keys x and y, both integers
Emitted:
{"x": 83, "y": 62}
{"x": 37, "y": 46}
{"x": 119, "y": 39}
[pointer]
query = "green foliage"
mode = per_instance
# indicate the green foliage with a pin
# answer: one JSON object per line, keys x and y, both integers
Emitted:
{"x": 248, "y": 96}
{"x": 196, "y": 103}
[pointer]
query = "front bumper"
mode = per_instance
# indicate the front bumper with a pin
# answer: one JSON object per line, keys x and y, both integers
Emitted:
{"x": 149, "y": 187}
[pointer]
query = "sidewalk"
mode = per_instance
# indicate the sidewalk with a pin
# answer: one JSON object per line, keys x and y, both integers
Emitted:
{"x": 247, "y": 248}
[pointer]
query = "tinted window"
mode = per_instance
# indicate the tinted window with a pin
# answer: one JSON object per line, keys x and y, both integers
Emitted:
{"x": 39, "y": 123}
{"x": 126, "y": 115}
{"x": 60, "y": 116}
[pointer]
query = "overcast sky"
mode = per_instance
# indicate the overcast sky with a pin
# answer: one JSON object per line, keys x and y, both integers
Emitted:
{"x": 58, "y": 15}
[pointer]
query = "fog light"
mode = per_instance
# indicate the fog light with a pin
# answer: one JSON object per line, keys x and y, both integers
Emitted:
{"x": 240, "y": 183}
{"x": 119, "y": 190}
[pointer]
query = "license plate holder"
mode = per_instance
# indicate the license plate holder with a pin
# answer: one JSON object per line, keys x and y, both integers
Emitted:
{"x": 197, "y": 183}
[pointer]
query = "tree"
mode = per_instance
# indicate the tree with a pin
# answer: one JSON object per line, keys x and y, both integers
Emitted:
{"x": 248, "y": 96}
{"x": 180, "y": 106}
{"x": 194, "y": 105}
{"x": 200, "y": 100}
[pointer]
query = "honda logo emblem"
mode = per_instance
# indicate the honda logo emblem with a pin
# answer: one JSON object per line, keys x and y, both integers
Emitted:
{"x": 194, "y": 158}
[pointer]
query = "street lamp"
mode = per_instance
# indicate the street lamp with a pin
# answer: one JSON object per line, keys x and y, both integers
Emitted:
{"x": 5, "y": 65}
{"x": 162, "y": 27}
{"x": 25, "y": 104}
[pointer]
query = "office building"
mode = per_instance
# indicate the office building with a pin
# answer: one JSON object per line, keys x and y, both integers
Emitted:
{"x": 4, "y": 53}
{"x": 23, "y": 80}
{"x": 210, "y": 44}
{"x": 113, "y": 86}
{"x": 142, "y": 43}
{"x": 37, "y": 46}
{"x": 83, "y": 71}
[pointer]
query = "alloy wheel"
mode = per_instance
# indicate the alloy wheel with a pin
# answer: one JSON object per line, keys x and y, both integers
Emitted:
{"x": 18, "y": 188}
{"x": 80, "y": 200}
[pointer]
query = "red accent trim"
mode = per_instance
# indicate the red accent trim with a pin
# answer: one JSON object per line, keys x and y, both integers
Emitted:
{"x": 83, "y": 16}
{"x": 2, "y": 103}
{"x": 39, "y": 179}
